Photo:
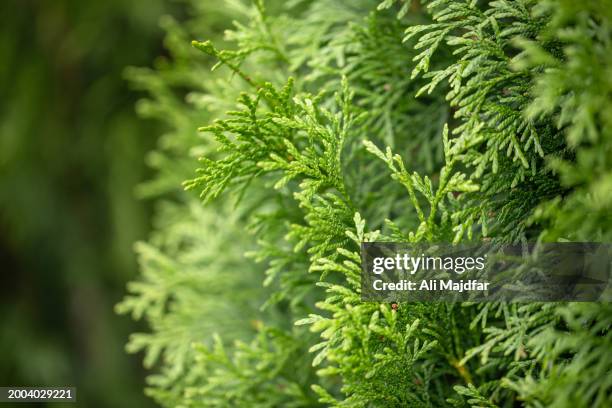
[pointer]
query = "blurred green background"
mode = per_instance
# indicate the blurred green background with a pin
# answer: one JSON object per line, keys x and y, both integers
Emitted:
{"x": 71, "y": 154}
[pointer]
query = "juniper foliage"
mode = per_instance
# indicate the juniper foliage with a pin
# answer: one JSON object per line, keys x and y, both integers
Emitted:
{"x": 325, "y": 124}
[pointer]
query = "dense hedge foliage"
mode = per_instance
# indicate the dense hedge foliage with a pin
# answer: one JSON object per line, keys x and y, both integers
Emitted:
{"x": 327, "y": 123}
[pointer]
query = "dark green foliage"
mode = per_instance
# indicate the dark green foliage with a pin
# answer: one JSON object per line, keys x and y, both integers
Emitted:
{"x": 71, "y": 150}
{"x": 487, "y": 132}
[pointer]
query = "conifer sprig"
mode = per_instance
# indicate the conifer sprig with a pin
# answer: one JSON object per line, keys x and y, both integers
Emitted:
{"x": 518, "y": 151}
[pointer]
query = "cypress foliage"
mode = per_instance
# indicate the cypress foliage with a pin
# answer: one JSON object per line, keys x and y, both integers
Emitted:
{"x": 328, "y": 123}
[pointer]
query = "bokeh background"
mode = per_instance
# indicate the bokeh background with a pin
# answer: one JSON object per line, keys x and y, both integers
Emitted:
{"x": 71, "y": 154}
